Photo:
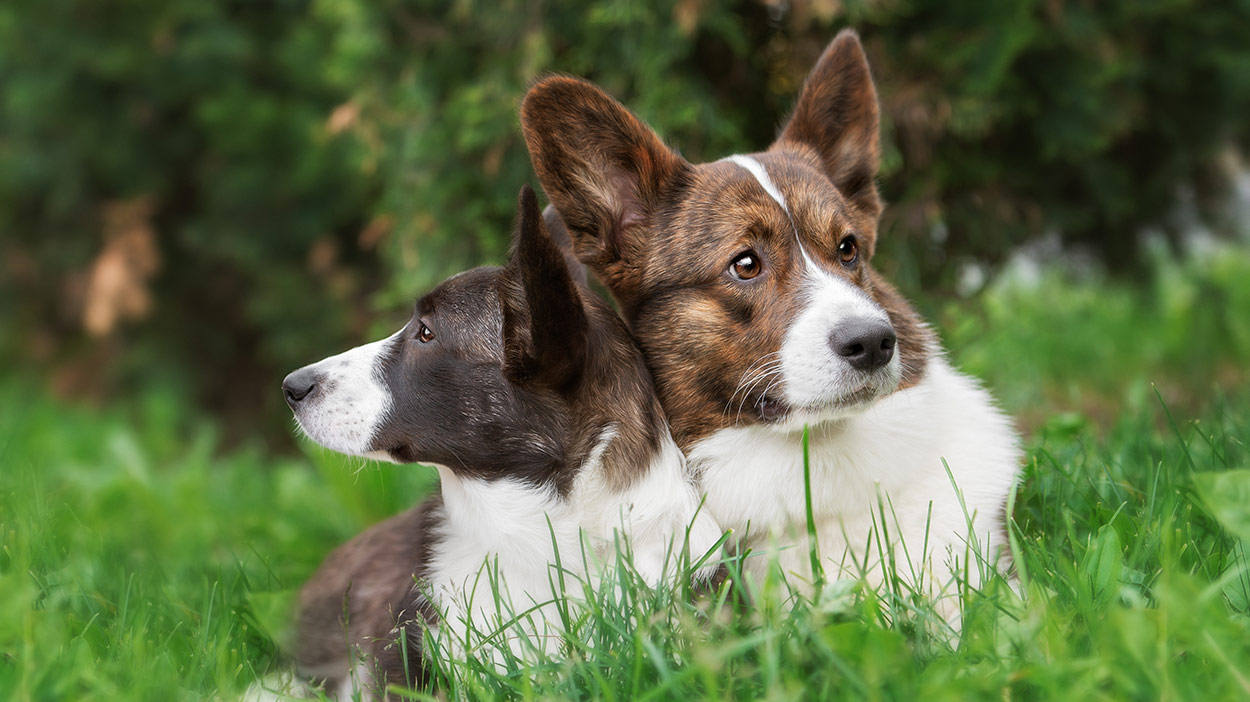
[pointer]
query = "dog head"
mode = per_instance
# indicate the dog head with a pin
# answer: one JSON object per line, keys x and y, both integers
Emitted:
{"x": 500, "y": 372}
{"x": 748, "y": 281}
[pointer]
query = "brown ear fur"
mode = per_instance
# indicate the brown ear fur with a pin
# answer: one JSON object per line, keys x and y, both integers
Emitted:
{"x": 545, "y": 330}
{"x": 602, "y": 167}
{"x": 837, "y": 115}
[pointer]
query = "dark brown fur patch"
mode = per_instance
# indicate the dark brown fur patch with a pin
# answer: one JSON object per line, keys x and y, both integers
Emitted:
{"x": 364, "y": 595}
{"x": 545, "y": 331}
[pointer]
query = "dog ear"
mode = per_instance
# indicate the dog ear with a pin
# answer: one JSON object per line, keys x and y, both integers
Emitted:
{"x": 603, "y": 168}
{"x": 545, "y": 330}
{"x": 837, "y": 115}
{"x": 560, "y": 235}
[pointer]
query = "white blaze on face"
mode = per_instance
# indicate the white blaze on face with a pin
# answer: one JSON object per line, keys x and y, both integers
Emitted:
{"x": 813, "y": 374}
{"x": 350, "y": 400}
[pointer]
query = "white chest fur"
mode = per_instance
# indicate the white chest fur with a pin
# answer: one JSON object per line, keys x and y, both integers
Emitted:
{"x": 886, "y": 462}
{"x": 499, "y": 546}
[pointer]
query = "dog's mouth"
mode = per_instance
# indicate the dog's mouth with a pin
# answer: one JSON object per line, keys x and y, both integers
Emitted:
{"x": 771, "y": 409}
{"x": 774, "y": 410}
{"x": 863, "y": 395}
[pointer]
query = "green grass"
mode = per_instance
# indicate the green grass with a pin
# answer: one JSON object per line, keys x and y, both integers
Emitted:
{"x": 137, "y": 561}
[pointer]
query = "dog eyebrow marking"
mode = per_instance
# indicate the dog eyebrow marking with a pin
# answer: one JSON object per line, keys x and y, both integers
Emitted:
{"x": 756, "y": 169}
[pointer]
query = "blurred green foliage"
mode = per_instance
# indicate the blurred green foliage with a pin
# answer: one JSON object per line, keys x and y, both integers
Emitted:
{"x": 1056, "y": 341}
{"x": 262, "y": 177}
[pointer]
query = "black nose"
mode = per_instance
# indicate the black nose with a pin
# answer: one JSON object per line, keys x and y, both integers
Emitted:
{"x": 866, "y": 344}
{"x": 299, "y": 385}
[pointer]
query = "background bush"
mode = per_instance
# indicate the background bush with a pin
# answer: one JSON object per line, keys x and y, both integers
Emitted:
{"x": 208, "y": 194}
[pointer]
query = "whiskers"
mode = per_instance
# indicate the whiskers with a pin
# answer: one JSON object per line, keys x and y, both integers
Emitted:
{"x": 766, "y": 367}
{"x": 906, "y": 370}
{"x": 299, "y": 429}
{"x": 356, "y": 463}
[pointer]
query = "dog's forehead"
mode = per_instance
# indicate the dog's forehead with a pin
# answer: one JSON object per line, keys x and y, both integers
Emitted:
{"x": 723, "y": 206}
{"x": 770, "y": 189}
{"x": 728, "y": 189}
{"x": 467, "y": 304}
{"x": 790, "y": 183}
{"x": 761, "y": 198}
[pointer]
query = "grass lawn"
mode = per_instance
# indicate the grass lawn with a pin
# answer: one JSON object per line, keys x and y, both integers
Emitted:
{"x": 137, "y": 561}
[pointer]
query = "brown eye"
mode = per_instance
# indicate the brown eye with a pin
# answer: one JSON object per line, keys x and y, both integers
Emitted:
{"x": 424, "y": 334}
{"x": 746, "y": 266}
{"x": 848, "y": 251}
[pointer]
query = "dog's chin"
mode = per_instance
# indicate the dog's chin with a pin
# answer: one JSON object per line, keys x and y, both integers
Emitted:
{"x": 326, "y": 433}
{"x": 323, "y": 433}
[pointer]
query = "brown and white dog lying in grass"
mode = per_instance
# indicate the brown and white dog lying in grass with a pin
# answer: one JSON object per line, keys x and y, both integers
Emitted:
{"x": 748, "y": 284}
{"x": 527, "y": 393}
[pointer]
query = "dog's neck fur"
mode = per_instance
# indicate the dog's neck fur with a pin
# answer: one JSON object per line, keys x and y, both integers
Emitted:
{"x": 511, "y": 534}
{"x": 620, "y": 472}
{"x": 616, "y": 394}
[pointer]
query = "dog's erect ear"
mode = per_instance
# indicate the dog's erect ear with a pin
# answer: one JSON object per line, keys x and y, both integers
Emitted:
{"x": 560, "y": 235}
{"x": 837, "y": 116}
{"x": 545, "y": 331}
{"x": 602, "y": 167}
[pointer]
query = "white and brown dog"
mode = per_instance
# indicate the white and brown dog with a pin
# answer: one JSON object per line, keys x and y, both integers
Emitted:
{"x": 749, "y": 286}
{"x": 528, "y": 394}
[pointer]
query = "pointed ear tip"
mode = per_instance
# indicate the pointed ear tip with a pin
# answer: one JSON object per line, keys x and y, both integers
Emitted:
{"x": 555, "y": 87}
{"x": 847, "y": 34}
{"x": 528, "y": 215}
{"x": 557, "y": 79}
{"x": 526, "y": 196}
{"x": 847, "y": 44}
{"x": 532, "y": 99}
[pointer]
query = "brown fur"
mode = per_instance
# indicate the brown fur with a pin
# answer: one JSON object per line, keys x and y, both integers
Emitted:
{"x": 562, "y": 337}
{"x": 661, "y": 232}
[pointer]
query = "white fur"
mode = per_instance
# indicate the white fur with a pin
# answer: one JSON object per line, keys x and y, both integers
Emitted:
{"x": 359, "y": 680}
{"x": 350, "y": 402}
{"x": 655, "y": 512}
{"x": 507, "y": 532}
{"x": 890, "y": 454}
{"x": 496, "y": 534}
{"x": 276, "y": 687}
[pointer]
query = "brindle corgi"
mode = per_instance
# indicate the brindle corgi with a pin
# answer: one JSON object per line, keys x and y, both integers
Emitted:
{"x": 748, "y": 282}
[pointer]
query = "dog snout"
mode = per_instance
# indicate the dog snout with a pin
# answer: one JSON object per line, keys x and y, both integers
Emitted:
{"x": 299, "y": 385}
{"x": 866, "y": 344}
